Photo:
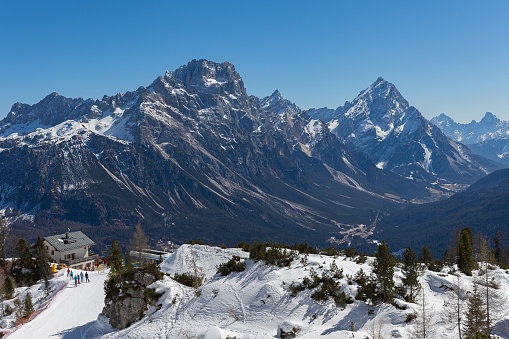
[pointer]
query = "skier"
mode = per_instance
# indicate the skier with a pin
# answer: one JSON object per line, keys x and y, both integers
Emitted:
{"x": 70, "y": 275}
{"x": 76, "y": 280}
{"x": 86, "y": 277}
{"x": 68, "y": 270}
{"x": 82, "y": 279}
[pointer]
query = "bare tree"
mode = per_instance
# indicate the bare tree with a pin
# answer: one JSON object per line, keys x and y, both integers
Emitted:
{"x": 139, "y": 241}
{"x": 494, "y": 300}
{"x": 454, "y": 306}
{"x": 375, "y": 330}
{"x": 197, "y": 271}
{"x": 423, "y": 326}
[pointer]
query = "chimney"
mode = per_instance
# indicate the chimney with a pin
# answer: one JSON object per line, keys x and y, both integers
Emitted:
{"x": 67, "y": 233}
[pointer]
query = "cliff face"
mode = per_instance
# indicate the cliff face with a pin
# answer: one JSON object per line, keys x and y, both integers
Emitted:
{"x": 128, "y": 296}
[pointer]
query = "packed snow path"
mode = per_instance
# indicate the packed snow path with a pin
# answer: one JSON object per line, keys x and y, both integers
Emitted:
{"x": 75, "y": 309}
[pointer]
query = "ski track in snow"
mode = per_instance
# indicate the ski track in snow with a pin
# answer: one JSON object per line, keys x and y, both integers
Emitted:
{"x": 75, "y": 309}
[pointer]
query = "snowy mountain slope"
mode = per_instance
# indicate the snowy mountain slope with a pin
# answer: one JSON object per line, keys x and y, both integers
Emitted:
{"x": 191, "y": 155}
{"x": 257, "y": 302}
{"x": 489, "y": 137}
{"x": 382, "y": 124}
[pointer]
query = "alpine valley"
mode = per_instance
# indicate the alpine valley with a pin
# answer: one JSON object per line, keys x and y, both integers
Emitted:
{"x": 194, "y": 156}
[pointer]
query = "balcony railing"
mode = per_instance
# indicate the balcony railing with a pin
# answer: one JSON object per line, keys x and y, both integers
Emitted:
{"x": 80, "y": 260}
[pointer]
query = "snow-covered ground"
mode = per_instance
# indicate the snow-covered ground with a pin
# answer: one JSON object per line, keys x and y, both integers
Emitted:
{"x": 250, "y": 304}
{"x": 71, "y": 312}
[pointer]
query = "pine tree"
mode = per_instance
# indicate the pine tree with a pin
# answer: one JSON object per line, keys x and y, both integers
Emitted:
{"x": 8, "y": 288}
{"x": 475, "y": 318}
{"x": 28, "y": 307}
{"x": 47, "y": 287}
{"x": 426, "y": 258}
{"x": 410, "y": 273}
{"x": 25, "y": 259}
{"x": 498, "y": 247}
{"x": 42, "y": 268}
{"x": 465, "y": 252}
{"x": 115, "y": 258}
{"x": 24, "y": 266}
{"x": 127, "y": 262}
{"x": 383, "y": 268}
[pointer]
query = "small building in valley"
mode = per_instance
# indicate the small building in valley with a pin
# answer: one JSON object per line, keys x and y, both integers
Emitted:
{"x": 71, "y": 248}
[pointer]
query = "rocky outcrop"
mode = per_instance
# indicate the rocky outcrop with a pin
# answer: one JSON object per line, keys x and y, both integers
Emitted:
{"x": 127, "y": 300}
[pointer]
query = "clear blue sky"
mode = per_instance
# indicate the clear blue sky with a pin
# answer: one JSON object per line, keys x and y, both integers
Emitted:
{"x": 444, "y": 56}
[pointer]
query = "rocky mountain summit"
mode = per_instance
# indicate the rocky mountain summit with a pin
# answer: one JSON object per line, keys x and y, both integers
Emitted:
{"x": 382, "y": 124}
{"x": 488, "y": 137}
{"x": 190, "y": 156}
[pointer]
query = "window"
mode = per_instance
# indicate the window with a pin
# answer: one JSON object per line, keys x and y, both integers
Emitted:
{"x": 52, "y": 252}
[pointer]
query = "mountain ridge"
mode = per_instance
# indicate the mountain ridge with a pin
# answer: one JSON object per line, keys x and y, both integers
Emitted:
{"x": 190, "y": 155}
{"x": 488, "y": 137}
{"x": 383, "y": 125}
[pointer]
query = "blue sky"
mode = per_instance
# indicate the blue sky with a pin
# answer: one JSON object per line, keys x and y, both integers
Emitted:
{"x": 443, "y": 56}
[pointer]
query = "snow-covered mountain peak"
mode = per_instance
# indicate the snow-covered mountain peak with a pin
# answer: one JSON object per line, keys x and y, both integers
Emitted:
{"x": 383, "y": 94}
{"x": 489, "y": 118}
{"x": 276, "y": 103}
{"x": 204, "y": 74}
{"x": 381, "y": 123}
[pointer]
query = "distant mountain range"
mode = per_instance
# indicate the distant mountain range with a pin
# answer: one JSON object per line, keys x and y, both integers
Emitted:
{"x": 194, "y": 156}
{"x": 488, "y": 137}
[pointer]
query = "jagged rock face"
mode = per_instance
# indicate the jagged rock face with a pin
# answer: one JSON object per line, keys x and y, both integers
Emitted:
{"x": 191, "y": 156}
{"x": 131, "y": 304}
{"x": 488, "y": 137}
{"x": 382, "y": 124}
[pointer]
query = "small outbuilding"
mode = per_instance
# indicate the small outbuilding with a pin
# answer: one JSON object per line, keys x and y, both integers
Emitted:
{"x": 71, "y": 248}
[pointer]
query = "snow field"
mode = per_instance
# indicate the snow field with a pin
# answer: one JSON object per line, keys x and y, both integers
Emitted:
{"x": 256, "y": 302}
{"x": 252, "y": 304}
{"x": 71, "y": 312}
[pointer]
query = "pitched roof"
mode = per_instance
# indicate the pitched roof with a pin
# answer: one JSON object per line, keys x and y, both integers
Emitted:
{"x": 75, "y": 240}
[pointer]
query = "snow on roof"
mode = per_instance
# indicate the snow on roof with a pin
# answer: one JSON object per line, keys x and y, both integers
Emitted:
{"x": 63, "y": 243}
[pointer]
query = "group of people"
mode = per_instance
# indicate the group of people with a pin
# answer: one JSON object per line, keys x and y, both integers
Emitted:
{"x": 78, "y": 278}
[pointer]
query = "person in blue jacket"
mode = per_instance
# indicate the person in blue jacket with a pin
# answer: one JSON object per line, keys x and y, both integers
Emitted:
{"x": 76, "y": 280}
